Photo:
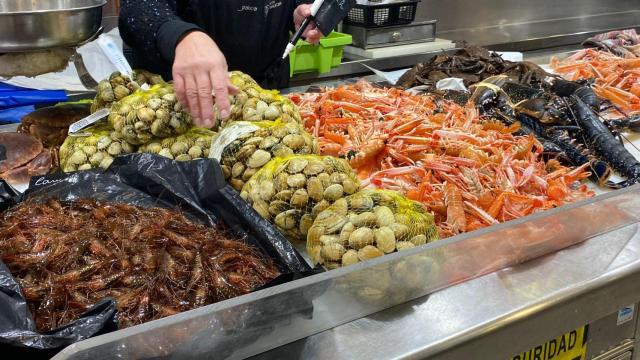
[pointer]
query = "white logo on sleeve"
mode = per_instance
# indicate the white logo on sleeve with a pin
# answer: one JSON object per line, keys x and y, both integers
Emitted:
{"x": 248, "y": 8}
{"x": 271, "y": 5}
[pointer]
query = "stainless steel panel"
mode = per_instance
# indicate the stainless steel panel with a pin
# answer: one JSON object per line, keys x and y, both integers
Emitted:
{"x": 497, "y": 315}
{"x": 463, "y": 14}
{"x": 27, "y": 25}
{"x": 246, "y": 325}
{"x": 393, "y": 35}
{"x": 625, "y": 356}
{"x": 488, "y": 22}
{"x": 622, "y": 352}
{"x": 608, "y": 339}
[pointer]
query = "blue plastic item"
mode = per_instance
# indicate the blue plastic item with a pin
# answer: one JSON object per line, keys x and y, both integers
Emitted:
{"x": 15, "y": 114}
{"x": 14, "y": 96}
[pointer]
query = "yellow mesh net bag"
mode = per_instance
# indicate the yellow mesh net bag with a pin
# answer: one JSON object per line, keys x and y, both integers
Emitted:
{"x": 95, "y": 147}
{"x": 150, "y": 113}
{"x": 194, "y": 144}
{"x": 291, "y": 191}
{"x": 366, "y": 225}
{"x": 253, "y": 103}
{"x": 243, "y": 147}
{"x": 119, "y": 86}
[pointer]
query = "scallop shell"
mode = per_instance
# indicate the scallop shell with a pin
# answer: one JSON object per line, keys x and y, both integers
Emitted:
{"x": 237, "y": 169}
{"x": 333, "y": 252}
{"x": 259, "y": 158}
{"x": 306, "y": 221}
{"x": 360, "y": 238}
{"x": 331, "y": 221}
{"x": 418, "y": 240}
{"x": 366, "y": 218}
{"x": 384, "y": 216}
{"x": 278, "y": 206}
{"x": 300, "y": 198}
{"x": 315, "y": 189}
{"x": 333, "y": 192}
{"x": 294, "y": 142}
{"x": 296, "y": 165}
{"x": 268, "y": 142}
{"x": 350, "y": 257}
{"x": 385, "y": 239}
{"x": 296, "y": 181}
{"x": 286, "y": 220}
{"x": 369, "y": 252}
{"x": 284, "y": 195}
{"x": 404, "y": 245}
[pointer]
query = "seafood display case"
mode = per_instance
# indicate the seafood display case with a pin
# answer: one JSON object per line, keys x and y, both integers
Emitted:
{"x": 243, "y": 326}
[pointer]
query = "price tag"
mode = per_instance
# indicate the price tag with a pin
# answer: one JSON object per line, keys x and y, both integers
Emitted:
{"x": 569, "y": 346}
{"x": 84, "y": 122}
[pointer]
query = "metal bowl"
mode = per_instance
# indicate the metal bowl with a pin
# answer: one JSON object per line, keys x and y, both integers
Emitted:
{"x": 28, "y": 25}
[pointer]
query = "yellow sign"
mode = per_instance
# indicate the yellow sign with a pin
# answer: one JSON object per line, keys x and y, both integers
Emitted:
{"x": 570, "y": 346}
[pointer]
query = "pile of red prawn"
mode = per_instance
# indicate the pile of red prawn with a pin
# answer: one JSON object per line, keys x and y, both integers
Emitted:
{"x": 469, "y": 171}
{"x": 617, "y": 79}
{"x": 153, "y": 262}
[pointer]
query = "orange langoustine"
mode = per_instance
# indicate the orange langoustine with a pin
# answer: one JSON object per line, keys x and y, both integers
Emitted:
{"x": 616, "y": 79}
{"x": 469, "y": 171}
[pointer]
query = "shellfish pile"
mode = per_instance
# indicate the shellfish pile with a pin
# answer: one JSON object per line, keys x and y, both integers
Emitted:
{"x": 253, "y": 103}
{"x": 96, "y": 147}
{"x": 119, "y": 86}
{"x": 147, "y": 114}
{"x": 154, "y": 262}
{"x": 291, "y": 191}
{"x": 194, "y": 144}
{"x": 249, "y": 146}
{"x": 366, "y": 225}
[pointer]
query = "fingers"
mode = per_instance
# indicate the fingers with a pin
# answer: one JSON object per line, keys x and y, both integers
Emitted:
{"x": 312, "y": 34}
{"x": 304, "y": 10}
{"x": 205, "y": 101}
{"x": 300, "y": 13}
{"x": 179, "y": 86}
{"x": 220, "y": 84}
{"x": 191, "y": 92}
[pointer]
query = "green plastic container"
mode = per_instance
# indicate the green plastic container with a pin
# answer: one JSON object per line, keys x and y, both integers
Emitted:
{"x": 322, "y": 58}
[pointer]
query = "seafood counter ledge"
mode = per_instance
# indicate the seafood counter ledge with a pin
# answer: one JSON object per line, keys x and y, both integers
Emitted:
{"x": 505, "y": 314}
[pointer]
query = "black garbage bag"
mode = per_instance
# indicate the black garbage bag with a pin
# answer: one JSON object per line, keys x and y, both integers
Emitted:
{"x": 197, "y": 188}
{"x": 8, "y": 196}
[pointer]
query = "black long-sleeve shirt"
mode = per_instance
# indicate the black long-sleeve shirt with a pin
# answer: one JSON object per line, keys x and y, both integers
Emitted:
{"x": 252, "y": 34}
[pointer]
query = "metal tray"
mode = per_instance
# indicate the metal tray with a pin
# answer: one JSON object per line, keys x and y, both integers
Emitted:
{"x": 416, "y": 32}
{"x": 27, "y": 25}
{"x": 340, "y": 296}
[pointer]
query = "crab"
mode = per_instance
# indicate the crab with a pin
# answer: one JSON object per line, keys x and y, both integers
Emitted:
{"x": 21, "y": 157}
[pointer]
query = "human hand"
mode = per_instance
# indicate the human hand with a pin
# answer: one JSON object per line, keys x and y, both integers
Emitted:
{"x": 312, "y": 34}
{"x": 200, "y": 70}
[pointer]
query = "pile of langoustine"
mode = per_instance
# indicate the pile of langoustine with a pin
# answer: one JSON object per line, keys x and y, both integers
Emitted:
{"x": 67, "y": 256}
{"x": 616, "y": 79}
{"x": 468, "y": 170}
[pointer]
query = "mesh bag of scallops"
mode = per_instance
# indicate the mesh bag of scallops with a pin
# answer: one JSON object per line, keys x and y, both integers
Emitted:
{"x": 291, "y": 191}
{"x": 366, "y": 225}
{"x": 146, "y": 114}
{"x": 253, "y": 103}
{"x": 119, "y": 86}
{"x": 148, "y": 238}
{"x": 194, "y": 144}
{"x": 95, "y": 147}
{"x": 243, "y": 147}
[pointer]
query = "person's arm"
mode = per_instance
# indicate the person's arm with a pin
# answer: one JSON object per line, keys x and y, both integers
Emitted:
{"x": 153, "y": 27}
{"x": 199, "y": 67}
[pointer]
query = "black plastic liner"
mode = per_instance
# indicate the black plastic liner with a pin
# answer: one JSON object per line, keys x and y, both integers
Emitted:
{"x": 197, "y": 188}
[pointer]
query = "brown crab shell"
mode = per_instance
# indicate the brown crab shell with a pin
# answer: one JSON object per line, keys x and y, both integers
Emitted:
{"x": 19, "y": 149}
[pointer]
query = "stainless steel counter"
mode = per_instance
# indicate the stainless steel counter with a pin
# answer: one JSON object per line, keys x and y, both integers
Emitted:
{"x": 497, "y": 315}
